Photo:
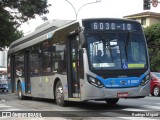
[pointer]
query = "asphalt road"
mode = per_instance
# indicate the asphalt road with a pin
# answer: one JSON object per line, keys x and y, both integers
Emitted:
{"x": 144, "y": 108}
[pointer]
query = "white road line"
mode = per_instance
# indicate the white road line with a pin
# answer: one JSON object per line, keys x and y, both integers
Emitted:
{"x": 11, "y": 109}
{"x": 152, "y": 107}
{"x": 137, "y": 118}
{"x": 133, "y": 109}
{"x": 5, "y": 106}
{"x": 8, "y": 108}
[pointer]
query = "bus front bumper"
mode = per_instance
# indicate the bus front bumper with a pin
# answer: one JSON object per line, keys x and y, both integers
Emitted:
{"x": 94, "y": 93}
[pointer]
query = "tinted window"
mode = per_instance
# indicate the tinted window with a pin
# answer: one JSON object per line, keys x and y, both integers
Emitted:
{"x": 19, "y": 64}
{"x": 35, "y": 60}
{"x": 46, "y": 57}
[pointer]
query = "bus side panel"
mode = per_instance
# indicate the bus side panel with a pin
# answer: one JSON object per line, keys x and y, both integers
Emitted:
{"x": 43, "y": 87}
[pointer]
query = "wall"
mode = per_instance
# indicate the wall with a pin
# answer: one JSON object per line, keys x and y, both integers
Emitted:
{"x": 3, "y": 57}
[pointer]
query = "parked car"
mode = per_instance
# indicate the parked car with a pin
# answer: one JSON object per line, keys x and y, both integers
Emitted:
{"x": 155, "y": 84}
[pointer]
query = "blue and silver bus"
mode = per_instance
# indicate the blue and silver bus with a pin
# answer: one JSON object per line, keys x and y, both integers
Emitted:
{"x": 80, "y": 60}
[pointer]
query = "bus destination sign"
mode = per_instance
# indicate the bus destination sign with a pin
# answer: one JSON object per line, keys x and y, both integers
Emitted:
{"x": 111, "y": 25}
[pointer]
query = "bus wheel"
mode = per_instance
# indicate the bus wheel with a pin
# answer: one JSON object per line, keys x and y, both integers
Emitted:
{"x": 59, "y": 95}
{"x": 20, "y": 95}
{"x": 112, "y": 101}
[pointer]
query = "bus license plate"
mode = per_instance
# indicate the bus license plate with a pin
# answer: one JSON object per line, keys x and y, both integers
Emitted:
{"x": 125, "y": 94}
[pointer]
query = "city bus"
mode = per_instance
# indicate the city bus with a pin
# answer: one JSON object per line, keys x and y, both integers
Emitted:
{"x": 59, "y": 61}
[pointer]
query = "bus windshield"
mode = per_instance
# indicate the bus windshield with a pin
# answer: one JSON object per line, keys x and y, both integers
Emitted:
{"x": 116, "y": 50}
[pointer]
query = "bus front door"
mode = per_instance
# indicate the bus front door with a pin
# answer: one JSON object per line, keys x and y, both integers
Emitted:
{"x": 72, "y": 65}
{"x": 13, "y": 73}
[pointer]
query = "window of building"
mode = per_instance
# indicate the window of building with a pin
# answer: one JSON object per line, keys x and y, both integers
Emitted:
{"x": 143, "y": 21}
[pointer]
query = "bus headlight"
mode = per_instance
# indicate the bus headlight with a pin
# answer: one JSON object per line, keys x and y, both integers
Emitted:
{"x": 94, "y": 82}
{"x": 145, "y": 80}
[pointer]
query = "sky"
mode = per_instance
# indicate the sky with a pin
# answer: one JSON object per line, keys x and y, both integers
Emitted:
{"x": 61, "y": 9}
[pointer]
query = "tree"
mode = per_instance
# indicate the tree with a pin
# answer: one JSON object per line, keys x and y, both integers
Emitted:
{"x": 8, "y": 33}
{"x": 15, "y": 12}
{"x": 152, "y": 34}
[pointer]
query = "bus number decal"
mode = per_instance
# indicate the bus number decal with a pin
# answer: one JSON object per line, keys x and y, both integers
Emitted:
{"x": 111, "y": 26}
{"x": 95, "y": 26}
{"x": 107, "y": 26}
{"x": 128, "y": 26}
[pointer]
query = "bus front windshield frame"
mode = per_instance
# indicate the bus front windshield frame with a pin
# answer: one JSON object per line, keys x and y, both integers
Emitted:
{"x": 116, "y": 50}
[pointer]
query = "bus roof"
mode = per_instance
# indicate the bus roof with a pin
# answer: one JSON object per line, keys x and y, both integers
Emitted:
{"x": 46, "y": 30}
{"x": 39, "y": 33}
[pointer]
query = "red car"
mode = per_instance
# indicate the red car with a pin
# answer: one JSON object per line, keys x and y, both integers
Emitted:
{"x": 155, "y": 84}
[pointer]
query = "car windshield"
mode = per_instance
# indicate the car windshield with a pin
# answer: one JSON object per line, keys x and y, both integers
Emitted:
{"x": 156, "y": 74}
{"x": 117, "y": 50}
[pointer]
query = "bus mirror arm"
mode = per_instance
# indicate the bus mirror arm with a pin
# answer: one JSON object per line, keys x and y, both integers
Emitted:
{"x": 82, "y": 41}
{"x": 81, "y": 51}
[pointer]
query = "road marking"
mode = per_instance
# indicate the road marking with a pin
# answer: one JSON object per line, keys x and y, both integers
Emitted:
{"x": 5, "y": 106}
{"x": 11, "y": 109}
{"x": 152, "y": 107}
{"x": 137, "y": 118}
{"x": 133, "y": 109}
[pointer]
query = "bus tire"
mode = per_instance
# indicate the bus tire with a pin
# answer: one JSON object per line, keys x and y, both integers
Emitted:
{"x": 112, "y": 101}
{"x": 59, "y": 94}
{"x": 20, "y": 94}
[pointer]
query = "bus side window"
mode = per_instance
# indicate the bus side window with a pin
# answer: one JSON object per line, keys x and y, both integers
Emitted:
{"x": 58, "y": 61}
{"x": 46, "y": 55}
{"x": 19, "y": 64}
{"x": 35, "y": 60}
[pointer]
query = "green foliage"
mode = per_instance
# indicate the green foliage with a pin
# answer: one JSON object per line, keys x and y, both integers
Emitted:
{"x": 13, "y": 13}
{"x": 152, "y": 34}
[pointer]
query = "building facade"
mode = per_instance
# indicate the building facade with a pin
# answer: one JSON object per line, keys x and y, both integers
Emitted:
{"x": 3, "y": 57}
{"x": 145, "y": 18}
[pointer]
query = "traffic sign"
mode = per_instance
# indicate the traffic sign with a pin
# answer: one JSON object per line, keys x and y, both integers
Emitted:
{"x": 154, "y": 3}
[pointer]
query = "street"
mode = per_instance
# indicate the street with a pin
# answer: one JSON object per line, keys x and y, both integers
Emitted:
{"x": 125, "y": 109}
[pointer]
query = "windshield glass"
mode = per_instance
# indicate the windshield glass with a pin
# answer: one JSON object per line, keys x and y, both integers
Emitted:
{"x": 117, "y": 50}
{"x": 156, "y": 74}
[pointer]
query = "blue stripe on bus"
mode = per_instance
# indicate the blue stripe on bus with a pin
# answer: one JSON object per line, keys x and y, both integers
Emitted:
{"x": 121, "y": 82}
{"x": 23, "y": 86}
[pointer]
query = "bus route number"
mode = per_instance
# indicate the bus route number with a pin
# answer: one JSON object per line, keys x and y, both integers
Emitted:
{"x": 111, "y": 26}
